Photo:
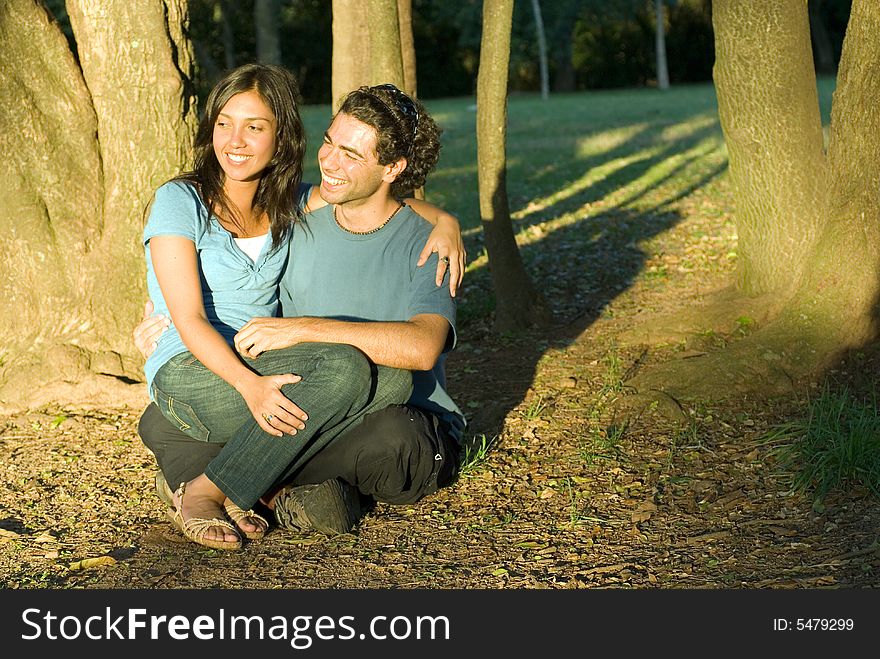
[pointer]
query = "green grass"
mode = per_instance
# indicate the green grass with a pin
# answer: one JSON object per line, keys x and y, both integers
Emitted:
{"x": 588, "y": 173}
{"x": 573, "y": 152}
{"x": 835, "y": 446}
{"x": 475, "y": 452}
{"x": 611, "y": 146}
{"x": 612, "y": 378}
{"x": 630, "y": 147}
{"x": 535, "y": 408}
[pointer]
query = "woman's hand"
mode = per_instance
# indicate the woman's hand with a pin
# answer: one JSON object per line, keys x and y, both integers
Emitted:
{"x": 446, "y": 241}
{"x": 148, "y": 331}
{"x": 274, "y": 412}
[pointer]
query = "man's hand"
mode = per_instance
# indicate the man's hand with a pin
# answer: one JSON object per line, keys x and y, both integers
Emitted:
{"x": 148, "y": 331}
{"x": 261, "y": 334}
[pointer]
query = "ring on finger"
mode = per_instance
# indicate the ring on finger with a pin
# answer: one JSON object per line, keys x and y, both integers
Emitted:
{"x": 268, "y": 418}
{"x": 444, "y": 259}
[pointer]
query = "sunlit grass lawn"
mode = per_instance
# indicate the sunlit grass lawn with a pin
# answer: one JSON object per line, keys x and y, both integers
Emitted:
{"x": 610, "y": 147}
{"x": 571, "y": 150}
{"x": 585, "y": 158}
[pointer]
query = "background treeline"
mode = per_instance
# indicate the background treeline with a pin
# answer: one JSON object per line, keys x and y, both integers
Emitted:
{"x": 592, "y": 44}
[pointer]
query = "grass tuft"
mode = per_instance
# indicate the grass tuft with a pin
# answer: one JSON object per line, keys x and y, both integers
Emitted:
{"x": 835, "y": 447}
{"x": 474, "y": 453}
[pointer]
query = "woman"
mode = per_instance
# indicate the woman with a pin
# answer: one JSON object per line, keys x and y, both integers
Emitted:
{"x": 215, "y": 244}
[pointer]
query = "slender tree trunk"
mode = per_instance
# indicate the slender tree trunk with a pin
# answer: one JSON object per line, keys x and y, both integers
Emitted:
{"x": 351, "y": 48}
{"x": 267, "y": 19}
{"x": 408, "y": 55}
{"x": 517, "y": 304}
{"x": 660, "y": 44}
{"x": 542, "y": 49}
{"x": 229, "y": 54}
{"x": 98, "y": 138}
{"x": 408, "y": 47}
{"x": 769, "y": 111}
{"x": 564, "y": 78}
{"x": 386, "y": 61}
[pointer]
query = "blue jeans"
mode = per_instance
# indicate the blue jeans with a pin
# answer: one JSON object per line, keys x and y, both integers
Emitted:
{"x": 339, "y": 387}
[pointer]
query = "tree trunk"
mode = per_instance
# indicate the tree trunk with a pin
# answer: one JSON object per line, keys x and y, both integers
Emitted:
{"x": 386, "y": 61}
{"x": 660, "y": 44}
{"x": 542, "y": 50}
{"x": 769, "y": 111}
{"x": 564, "y": 79}
{"x": 267, "y": 19}
{"x": 517, "y": 304}
{"x": 229, "y": 54}
{"x": 408, "y": 47}
{"x": 351, "y": 48}
{"x": 841, "y": 289}
{"x": 797, "y": 216}
{"x": 95, "y": 142}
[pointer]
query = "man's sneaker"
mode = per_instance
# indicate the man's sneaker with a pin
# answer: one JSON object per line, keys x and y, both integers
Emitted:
{"x": 331, "y": 507}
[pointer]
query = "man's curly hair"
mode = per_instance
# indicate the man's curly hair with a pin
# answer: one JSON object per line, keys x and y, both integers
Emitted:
{"x": 404, "y": 129}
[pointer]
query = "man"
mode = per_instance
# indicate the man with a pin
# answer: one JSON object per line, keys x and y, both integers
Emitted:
{"x": 352, "y": 278}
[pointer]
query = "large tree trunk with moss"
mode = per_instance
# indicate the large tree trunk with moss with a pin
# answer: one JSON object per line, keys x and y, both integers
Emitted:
{"x": 807, "y": 224}
{"x": 517, "y": 304}
{"x": 94, "y": 139}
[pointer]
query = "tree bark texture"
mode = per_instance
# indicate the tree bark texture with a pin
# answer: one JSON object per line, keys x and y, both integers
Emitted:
{"x": 95, "y": 140}
{"x": 840, "y": 292}
{"x": 769, "y": 111}
{"x": 267, "y": 20}
{"x": 351, "y": 48}
{"x": 517, "y": 303}
{"x": 386, "y": 61}
{"x": 407, "y": 47}
{"x": 816, "y": 219}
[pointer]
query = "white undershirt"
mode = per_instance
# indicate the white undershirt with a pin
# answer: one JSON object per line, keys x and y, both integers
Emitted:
{"x": 252, "y": 246}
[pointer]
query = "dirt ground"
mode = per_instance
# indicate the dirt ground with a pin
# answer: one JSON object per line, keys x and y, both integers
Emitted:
{"x": 565, "y": 496}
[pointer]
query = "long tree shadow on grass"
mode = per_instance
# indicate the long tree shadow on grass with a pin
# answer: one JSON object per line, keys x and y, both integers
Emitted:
{"x": 581, "y": 268}
{"x": 581, "y": 264}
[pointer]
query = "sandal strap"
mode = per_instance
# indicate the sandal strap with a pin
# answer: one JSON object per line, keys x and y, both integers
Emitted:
{"x": 195, "y": 528}
{"x": 199, "y": 525}
{"x": 237, "y": 514}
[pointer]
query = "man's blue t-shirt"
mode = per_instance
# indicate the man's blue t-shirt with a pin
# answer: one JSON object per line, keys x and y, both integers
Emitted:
{"x": 331, "y": 272}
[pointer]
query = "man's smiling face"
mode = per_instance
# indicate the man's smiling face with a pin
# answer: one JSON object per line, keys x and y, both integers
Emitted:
{"x": 350, "y": 168}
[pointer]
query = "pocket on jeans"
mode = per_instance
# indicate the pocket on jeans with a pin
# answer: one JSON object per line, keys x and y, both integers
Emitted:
{"x": 185, "y": 360}
{"x": 181, "y": 415}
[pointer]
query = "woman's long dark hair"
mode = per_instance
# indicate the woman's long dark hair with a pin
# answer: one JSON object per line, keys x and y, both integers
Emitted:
{"x": 276, "y": 193}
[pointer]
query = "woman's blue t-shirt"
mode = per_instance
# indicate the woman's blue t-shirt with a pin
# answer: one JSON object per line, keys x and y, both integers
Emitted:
{"x": 234, "y": 288}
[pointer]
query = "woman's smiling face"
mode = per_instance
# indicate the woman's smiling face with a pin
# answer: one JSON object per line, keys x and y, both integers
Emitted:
{"x": 244, "y": 137}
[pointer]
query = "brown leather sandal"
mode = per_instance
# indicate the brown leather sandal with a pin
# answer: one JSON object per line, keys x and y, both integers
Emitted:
{"x": 195, "y": 528}
{"x": 236, "y": 514}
